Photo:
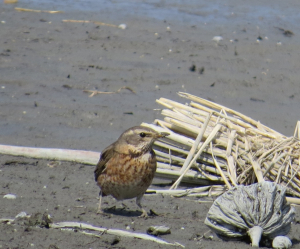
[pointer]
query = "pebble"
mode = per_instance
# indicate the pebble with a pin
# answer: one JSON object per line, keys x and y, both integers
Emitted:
{"x": 10, "y": 196}
{"x": 158, "y": 230}
{"x": 21, "y": 215}
{"x": 122, "y": 26}
{"x": 217, "y": 38}
{"x": 281, "y": 242}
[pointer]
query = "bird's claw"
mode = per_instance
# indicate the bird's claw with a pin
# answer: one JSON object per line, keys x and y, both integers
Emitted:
{"x": 144, "y": 214}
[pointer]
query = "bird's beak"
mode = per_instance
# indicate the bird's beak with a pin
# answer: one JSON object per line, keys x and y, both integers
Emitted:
{"x": 163, "y": 134}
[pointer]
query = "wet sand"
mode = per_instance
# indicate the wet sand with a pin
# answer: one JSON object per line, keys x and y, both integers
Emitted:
{"x": 46, "y": 64}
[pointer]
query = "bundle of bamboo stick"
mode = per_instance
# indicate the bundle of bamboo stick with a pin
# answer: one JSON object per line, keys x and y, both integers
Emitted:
{"x": 210, "y": 144}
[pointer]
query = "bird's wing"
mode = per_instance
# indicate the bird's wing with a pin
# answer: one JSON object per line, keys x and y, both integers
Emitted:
{"x": 106, "y": 155}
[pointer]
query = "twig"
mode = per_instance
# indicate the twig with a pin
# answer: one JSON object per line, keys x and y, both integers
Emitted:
{"x": 118, "y": 232}
{"x": 95, "y": 22}
{"x": 39, "y": 11}
{"x": 121, "y": 26}
{"x": 127, "y": 88}
{"x": 86, "y": 229}
{"x": 95, "y": 92}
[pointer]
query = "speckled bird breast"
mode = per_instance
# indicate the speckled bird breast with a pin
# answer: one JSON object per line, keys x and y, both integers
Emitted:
{"x": 126, "y": 177}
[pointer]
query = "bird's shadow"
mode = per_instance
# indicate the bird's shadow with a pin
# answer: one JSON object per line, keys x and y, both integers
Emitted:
{"x": 121, "y": 212}
{"x": 124, "y": 211}
{"x": 295, "y": 241}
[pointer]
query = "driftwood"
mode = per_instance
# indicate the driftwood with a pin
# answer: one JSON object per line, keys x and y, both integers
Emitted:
{"x": 87, "y": 229}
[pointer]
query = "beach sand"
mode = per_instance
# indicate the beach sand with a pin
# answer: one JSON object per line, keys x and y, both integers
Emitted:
{"x": 46, "y": 64}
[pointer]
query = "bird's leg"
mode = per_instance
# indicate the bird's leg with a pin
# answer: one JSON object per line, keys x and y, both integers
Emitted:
{"x": 99, "y": 210}
{"x": 138, "y": 202}
{"x": 124, "y": 206}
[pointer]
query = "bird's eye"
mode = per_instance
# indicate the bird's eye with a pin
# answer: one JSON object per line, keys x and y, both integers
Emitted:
{"x": 142, "y": 134}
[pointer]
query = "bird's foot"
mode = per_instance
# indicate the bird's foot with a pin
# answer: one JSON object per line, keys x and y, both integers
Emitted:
{"x": 99, "y": 211}
{"x": 124, "y": 206}
{"x": 144, "y": 214}
{"x": 153, "y": 213}
{"x": 112, "y": 208}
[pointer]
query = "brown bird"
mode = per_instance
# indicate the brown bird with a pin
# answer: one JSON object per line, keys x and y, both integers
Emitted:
{"x": 126, "y": 168}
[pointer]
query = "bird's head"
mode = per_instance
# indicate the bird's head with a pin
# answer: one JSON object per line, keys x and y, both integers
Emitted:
{"x": 138, "y": 139}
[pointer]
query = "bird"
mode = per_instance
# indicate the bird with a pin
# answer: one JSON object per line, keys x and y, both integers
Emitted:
{"x": 126, "y": 168}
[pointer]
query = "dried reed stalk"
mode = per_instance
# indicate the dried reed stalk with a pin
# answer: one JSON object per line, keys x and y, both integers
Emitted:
{"x": 232, "y": 147}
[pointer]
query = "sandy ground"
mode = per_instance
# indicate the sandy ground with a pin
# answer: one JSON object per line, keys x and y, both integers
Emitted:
{"x": 45, "y": 64}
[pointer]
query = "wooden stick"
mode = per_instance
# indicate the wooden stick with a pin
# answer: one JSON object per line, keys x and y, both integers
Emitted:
{"x": 118, "y": 232}
{"x": 86, "y": 228}
{"x": 80, "y": 156}
{"x": 44, "y": 11}
{"x": 95, "y": 92}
